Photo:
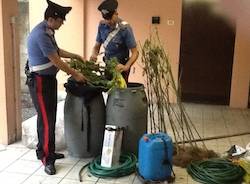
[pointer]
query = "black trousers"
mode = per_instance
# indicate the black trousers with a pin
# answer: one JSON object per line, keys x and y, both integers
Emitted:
{"x": 43, "y": 91}
{"x": 126, "y": 75}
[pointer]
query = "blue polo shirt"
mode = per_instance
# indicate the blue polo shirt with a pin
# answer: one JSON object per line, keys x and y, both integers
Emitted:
{"x": 40, "y": 44}
{"x": 121, "y": 43}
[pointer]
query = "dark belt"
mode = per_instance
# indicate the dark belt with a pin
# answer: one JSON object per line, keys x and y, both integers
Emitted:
{"x": 31, "y": 78}
{"x": 49, "y": 76}
{"x": 122, "y": 61}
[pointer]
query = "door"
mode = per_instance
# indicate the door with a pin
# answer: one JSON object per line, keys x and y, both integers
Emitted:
{"x": 206, "y": 54}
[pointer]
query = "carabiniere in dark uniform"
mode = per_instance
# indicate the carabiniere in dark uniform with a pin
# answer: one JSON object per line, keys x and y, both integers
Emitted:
{"x": 41, "y": 69}
{"x": 117, "y": 38}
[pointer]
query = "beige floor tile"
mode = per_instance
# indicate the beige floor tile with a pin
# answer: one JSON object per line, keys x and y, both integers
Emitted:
{"x": 181, "y": 179}
{"x": 12, "y": 178}
{"x": 126, "y": 179}
{"x": 5, "y": 162}
{"x": 24, "y": 167}
{"x": 13, "y": 153}
{"x": 88, "y": 182}
{"x": 246, "y": 139}
{"x": 89, "y": 177}
{"x": 68, "y": 160}
{"x": 68, "y": 181}
{"x": 237, "y": 141}
{"x": 223, "y": 142}
{"x": 107, "y": 180}
{"x": 42, "y": 180}
{"x": 84, "y": 161}
{"x": 61, "y": 170}
{"x": 18, "y": 144}
{"x": 192, "y": 181}
{"x": 207, "y": 115}
{"x": 211, "y": 143}
{"x": 74, "y": 172}
{"x": 30, "y": 155}
{"x": 137, "y": 181}
{"x": 3, "y": 147}
{"x": 209, "y": 120}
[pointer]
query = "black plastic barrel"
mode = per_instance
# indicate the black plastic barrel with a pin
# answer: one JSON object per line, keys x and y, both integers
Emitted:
{"x": 84, "y": 119}
{"x": 128, "y": 108}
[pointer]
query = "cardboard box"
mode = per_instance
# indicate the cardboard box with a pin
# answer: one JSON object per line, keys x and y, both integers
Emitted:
{"x": 111, "y": 149}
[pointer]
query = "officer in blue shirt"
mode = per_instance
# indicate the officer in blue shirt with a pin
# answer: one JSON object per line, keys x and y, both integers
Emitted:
{"x": 44, "y": 61}
{"x": 117, "y": 38}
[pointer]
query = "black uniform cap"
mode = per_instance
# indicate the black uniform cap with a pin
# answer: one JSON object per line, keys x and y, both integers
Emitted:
{"x": 56, "y": 11}
{"x": 108, "y": 8}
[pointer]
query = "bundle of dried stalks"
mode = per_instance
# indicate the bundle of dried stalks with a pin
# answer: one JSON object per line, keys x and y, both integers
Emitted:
{"x": 165, "y": 116}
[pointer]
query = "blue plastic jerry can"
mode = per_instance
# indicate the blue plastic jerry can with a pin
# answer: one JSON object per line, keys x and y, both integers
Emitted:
{"x": 155, "y": 156}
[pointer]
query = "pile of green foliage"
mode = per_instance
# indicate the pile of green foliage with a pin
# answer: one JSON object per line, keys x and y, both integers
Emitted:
{"x": 106, "y": 77}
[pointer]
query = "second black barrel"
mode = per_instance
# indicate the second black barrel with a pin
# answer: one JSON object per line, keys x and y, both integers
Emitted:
{"x": 128, "y": 108}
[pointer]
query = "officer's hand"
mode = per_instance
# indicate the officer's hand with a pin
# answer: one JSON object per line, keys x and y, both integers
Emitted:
{"x": 93, "y": 58}
{"x": 79, "y": 77}
{"x": 121, "y": 68}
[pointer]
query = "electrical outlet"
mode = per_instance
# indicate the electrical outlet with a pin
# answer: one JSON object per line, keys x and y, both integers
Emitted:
{"x": 170, "y": 22}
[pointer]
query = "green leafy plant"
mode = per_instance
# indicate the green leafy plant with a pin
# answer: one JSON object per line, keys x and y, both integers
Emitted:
{"x": 106, "y": 77}
{"x": 165, "y": 116}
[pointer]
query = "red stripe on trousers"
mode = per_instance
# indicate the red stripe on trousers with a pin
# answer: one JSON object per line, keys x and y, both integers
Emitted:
{"x": 45, "y": 118}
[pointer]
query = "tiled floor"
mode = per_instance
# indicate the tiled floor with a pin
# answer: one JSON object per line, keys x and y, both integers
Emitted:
{"x": 18, "y": 164}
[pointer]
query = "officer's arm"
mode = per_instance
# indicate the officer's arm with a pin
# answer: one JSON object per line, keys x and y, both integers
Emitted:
{"x": 66, "y": 54}
{"x": 133, "y": 58}
{"x": 131, "y": 44}
{"x": 131, "y": 61}
{"x": 95, "y": 51}
{"x": 55, "y": 59}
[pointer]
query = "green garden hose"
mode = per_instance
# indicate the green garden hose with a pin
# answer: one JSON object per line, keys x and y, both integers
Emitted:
{"x": 127, "y": 166}
{"x": 216, "y": 171}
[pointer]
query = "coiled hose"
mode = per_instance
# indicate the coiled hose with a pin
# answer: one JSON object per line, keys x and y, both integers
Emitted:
{"x": 127, "y": 166}
{"x": 216, "y": 171}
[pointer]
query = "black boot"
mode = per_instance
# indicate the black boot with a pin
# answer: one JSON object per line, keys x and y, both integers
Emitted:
{"x": 58, "y": 155}
{"x": 50, "y": 169}
{"x": 54, "y": 156}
